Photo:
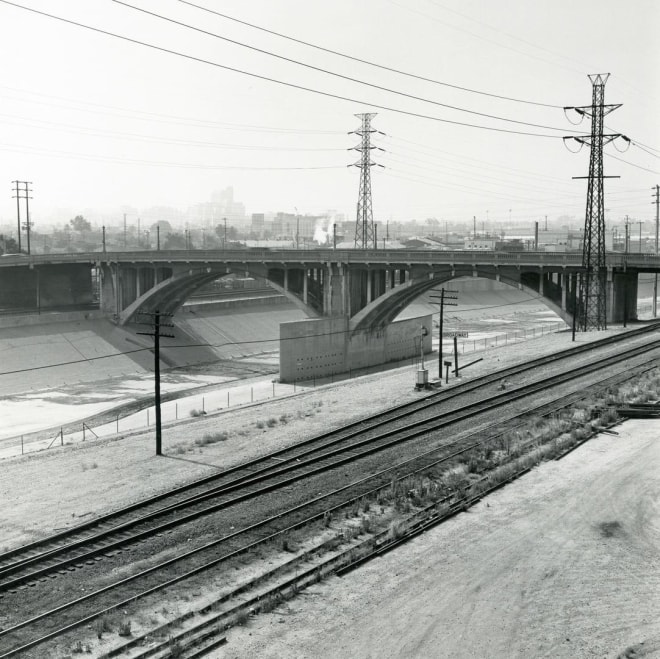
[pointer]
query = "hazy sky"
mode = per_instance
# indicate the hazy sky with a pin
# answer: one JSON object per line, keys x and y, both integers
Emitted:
{"x": 95, "y": 121}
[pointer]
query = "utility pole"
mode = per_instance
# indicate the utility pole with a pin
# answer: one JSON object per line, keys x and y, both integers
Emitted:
{"x": 224, "y": 240}
{"x": 139, "y": 239}
{"x": 444, "y": 300}
{"x": 103, "y": 237}
{"x": 156, "y": 334}
{"x": 657, "y": 221}
{"x": 22, "y": 194}
{"x": 158, "y": 237}
{"x": 18, "y": 210}
{"x": 593, "y": 282}
{"x": 640, "y": 222}
{"x": 27, "y": 224}
{"x": 626, "y": 241}
{"x": 124, "y": 230}
{"x": 364, "y": 223}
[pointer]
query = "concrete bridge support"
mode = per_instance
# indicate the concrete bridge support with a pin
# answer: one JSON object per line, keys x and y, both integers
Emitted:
{"x": 622, "y": 290}
{"x": 327, "y": 346}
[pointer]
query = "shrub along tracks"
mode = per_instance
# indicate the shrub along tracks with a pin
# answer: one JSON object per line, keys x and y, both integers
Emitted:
{"x": 307, "y": 456}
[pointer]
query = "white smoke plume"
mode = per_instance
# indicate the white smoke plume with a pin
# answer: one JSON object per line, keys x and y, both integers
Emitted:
{"x": 321, "y": 231}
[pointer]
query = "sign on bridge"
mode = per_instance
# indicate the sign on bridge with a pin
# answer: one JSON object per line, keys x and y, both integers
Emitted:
{"x": 458, "y": 334}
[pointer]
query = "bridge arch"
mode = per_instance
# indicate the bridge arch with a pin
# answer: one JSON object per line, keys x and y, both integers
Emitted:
{"x": 384, "y": 309}
{"x": 170, "y": 294}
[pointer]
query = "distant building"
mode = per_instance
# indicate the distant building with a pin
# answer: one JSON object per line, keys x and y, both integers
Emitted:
{"x": 514, "y": 245}
{"x": 485, "y": 243}
{"x": 258, "y": 223}
{"x": 423, "y": 242}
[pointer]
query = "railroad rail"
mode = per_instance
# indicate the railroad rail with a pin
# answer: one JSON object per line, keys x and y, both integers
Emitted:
{"x": 314, "y": 456}
{"x": 112, "y": 531}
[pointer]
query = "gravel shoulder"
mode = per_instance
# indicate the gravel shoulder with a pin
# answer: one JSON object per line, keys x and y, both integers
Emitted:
{"x": 563, "y": 563}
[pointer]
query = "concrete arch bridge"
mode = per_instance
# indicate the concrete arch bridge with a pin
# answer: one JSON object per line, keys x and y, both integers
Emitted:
{"x": 350, "y": 296}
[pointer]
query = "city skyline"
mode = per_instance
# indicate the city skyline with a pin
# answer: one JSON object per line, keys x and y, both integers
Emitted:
{"x": 95, "y": 121}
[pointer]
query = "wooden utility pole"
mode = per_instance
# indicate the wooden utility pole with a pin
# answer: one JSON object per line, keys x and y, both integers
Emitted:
{"x": 23, "y": 193}
{"x": 157, "y": 335}
{"x": 444, "y": 299}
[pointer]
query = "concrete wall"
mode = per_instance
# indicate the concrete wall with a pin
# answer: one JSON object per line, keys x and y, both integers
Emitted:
{"x": 46, "y": 286}
{"x": 62, "y": 286}
{"x": 34, "y": 318}
{"x": 325, "y": 346}
{"x": 239, "y": 303}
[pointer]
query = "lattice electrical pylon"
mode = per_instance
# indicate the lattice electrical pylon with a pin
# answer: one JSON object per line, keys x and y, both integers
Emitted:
{"x": 364, "y": 224}
{"x": 592, "y": 304}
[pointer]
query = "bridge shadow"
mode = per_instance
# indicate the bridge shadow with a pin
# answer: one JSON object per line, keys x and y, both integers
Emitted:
{"x": 197, "y": 462}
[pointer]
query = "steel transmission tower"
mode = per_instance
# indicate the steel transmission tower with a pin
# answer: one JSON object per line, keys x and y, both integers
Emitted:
{"x": 592, "y": 304}
{"x": 364, "y": 224}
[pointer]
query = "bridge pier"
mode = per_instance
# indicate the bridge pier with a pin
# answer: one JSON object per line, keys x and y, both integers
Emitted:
{"x": 327, "y": 346}
{"x": 624, "y": 297}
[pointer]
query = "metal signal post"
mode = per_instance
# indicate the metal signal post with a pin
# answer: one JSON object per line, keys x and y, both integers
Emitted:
{"x": 156, "y": 334}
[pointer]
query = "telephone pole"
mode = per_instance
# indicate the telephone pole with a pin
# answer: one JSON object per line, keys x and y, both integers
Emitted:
{"x": 657, "y": 221}
{"x": 444, "y": 300}
{"x": 157, "y": 335}
{"x": 364, "y": 224}
{"x": 593, "y": 279}
{"x": 22, "y": 193}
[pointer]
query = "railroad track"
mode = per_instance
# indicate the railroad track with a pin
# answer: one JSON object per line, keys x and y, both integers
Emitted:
{"x": 268, "y": 478}
{"x": 89, "y": 542}
{"x": 203, "y": 628}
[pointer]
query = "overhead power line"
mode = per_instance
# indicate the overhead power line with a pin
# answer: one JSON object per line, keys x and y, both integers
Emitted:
{"x": 20, "y": 148}
{"x": 369, "y": 63}
{"x": 173, "y": 119}
{"x": 206, "y": 345}
{"x": 335, "y": 74}
{"x": 275, "y": 80}
{"x": 95, "y": 132}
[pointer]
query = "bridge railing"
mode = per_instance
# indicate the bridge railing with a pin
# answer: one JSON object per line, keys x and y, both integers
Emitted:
{"x": 392, "y": 257}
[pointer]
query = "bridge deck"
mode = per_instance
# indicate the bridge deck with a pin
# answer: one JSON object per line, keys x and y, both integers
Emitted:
{"x": 649, "y": 262}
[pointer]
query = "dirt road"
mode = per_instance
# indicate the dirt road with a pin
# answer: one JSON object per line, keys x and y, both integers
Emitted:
{"x": 564, "y": 563}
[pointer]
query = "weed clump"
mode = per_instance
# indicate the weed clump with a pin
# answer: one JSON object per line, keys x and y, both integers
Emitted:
{"x": 212, "y": 438}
